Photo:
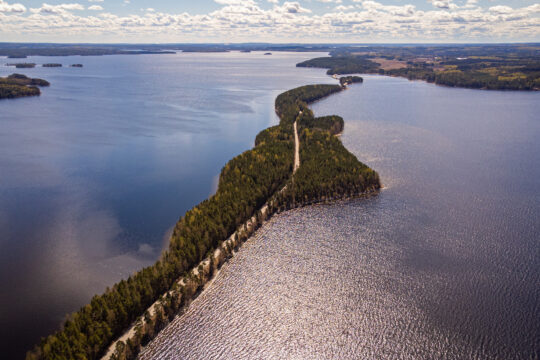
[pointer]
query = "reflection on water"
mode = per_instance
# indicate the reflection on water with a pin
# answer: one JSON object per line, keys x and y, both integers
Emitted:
{"x": 443, "y": 264}
{"x": 96, "y": 171}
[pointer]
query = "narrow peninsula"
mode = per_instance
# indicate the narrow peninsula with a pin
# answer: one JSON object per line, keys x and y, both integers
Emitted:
{"x": 299, "y": 162}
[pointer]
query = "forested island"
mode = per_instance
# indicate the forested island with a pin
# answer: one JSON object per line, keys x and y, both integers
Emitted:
{"x": 347, "y": 80}
{"x": 23, "y": 65}
{"x": 52, "y": 65}
{"x": 252, "y": 187}
{"x": 17, "y": 85}
{"x": 480, "y": 67}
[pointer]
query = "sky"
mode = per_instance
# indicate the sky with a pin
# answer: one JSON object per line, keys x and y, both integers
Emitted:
{"x": 275, "y": 21}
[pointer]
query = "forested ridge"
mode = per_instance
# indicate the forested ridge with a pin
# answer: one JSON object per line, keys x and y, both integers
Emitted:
{"x": 246, "y": 183}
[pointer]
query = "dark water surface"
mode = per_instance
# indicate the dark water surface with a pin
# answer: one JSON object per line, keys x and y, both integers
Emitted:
{"x": 94, "y": 172}
{"x": 443, "y": 264}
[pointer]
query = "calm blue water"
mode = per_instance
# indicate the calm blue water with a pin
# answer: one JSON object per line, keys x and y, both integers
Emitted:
{"x": 444, "y": 263}
{"x": 95, "y": 171}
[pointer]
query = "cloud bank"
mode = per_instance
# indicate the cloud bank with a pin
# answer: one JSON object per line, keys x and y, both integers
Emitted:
{"x": 248, "y": 20}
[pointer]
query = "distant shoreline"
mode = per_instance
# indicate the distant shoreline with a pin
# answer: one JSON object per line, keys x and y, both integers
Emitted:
{"x": 482, "y": 68}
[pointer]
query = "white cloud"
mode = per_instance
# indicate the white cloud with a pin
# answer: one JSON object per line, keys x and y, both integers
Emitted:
{"x": 533, "y": 9}
{"x": 57, "y": 9}
{"x": 11, "y": 8}
{"x": 95, "y": 0}
{"x": 344, "y": 8}
{"x": 293, "y": 8}
{"x": 501, "y": 9}
{"x": 95, "y": 8}
{"x": 441, "y": 4}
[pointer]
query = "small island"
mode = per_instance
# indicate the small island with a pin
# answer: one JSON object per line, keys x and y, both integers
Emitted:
{"x": 52, "y": 65}
{"x": 347, "y": 80}
{"x": 17, "y": 85}
{"x": 22, "y": 65}
{"x": 268, "y": 53}
{"x": 76, "y": 65}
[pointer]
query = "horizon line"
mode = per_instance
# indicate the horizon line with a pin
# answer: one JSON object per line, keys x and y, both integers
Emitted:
{"x": 276, "y": 43}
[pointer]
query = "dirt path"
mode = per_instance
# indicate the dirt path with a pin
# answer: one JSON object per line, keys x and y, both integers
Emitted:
{"x": 296, "y": 150}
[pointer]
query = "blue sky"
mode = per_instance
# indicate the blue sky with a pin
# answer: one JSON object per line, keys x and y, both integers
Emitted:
{"x": 362, "y": 21}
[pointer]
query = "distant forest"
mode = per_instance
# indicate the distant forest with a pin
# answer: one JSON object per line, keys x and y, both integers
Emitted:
{"x": 495, "y": 67}
{"x": 23, "y": 50}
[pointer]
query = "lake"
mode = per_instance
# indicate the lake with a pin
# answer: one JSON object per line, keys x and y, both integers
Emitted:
{"x": 444, "y": 263}
{"x": 96, "y": 171}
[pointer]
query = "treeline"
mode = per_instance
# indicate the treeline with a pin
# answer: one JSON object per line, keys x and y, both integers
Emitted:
{"x": 17, "y": 85}
{"x": 333, "y": 124}
{"x": 246, "y": 183}
{"x": 342, "y": 64}
{"x": 20, "y": 79}
{"x": 472, "y": 79}
{"x": 328, "y": 172}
